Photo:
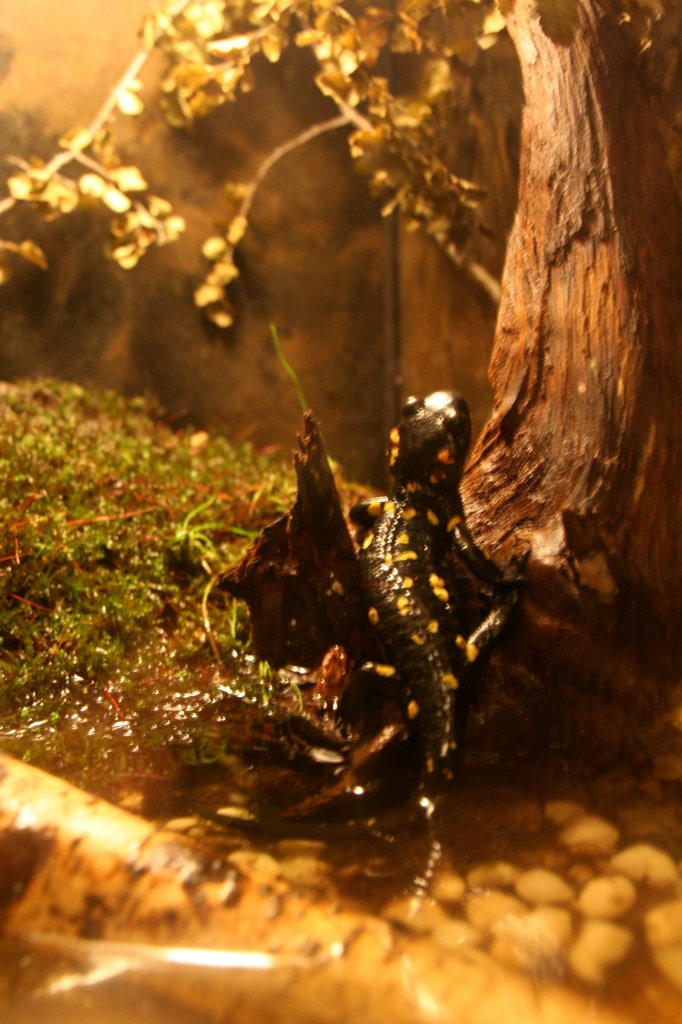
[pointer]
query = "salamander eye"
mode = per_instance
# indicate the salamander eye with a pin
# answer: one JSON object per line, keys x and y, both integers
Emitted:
{"x": 411, "y": 406}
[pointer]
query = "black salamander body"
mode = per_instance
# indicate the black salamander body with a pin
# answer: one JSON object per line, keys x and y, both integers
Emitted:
{"x": 411, "y": 584}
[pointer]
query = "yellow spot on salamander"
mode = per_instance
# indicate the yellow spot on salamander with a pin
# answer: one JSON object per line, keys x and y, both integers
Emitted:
{"x": 453, "y": 744}
{"x": 450, "y": 681}
{"x": 432, "y": 626}
{"x": 389, "y": 507}
{"x": 408, "y": 583}
{"x": 438, "y": 588}
{"x": 417, "y": 638}
{"x": 408, "y": 513}
{"x": 393, "y": 456}
{"x": 412, "y": 709}
{"x": 367, "y": 541}
{"x": 373, "y": 615}
{"x": 403, "y": 538}
{"x": 430, "y": 765}
{"x": 402, "y": 602}
{"x": 413, "y": 486}
{"x": 435, "y": 478}
{"x": 385, "y": 670}
{"x": 445, "y": 456}
{"x": 405, "y": 556}
{"x": 432, "y": 517}
{"x": 453, "y": 521}
{"x": 375, "y": 508}
{"x": 394, "y": 436}
{"x": 470, "y": 650}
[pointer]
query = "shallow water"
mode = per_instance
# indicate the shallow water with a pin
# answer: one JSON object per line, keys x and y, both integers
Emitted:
{"x": 466, "y": 875}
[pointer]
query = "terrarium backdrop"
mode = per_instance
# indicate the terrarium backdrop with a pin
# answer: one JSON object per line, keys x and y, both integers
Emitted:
{"x": 367, "y": 312}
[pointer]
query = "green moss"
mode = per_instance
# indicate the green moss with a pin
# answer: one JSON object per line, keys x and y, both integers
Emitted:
{"x": 113, "y": 531}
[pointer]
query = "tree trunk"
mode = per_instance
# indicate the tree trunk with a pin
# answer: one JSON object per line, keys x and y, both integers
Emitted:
{"x": 582, "y": 456}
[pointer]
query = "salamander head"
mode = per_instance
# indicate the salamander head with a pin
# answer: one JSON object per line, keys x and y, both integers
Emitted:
{"x": 430, "y": 444}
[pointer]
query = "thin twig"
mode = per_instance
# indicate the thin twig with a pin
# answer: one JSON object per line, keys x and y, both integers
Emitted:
{"x": 66, "y": 156}
{"x": 113, "y": 516}
{"x": 307, "y": 135}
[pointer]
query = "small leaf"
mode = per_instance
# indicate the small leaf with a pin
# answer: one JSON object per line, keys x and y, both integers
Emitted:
{"x": 213, "y": 248}
{"x": 174, "y": 226}
{"x": 76, "y": 140}
{"x": 129, "y": 103}
{"x": 559, "y": 19}
{"x": 116, "y": 200}
{"x": 223, "y": 47}
{"x": 273, "y": 43}
{"x": 237, "y": 230}
{"x": 20, "y": 186}
{"x": 205, "y": 294}
{"x": 129, "y": 178}
{"x": 493, "y": 22}
{"x": 33, "y": 253}
{"x": 159, "y": 207}
{"x": 92, "y": 185}
{"x": 220, "y": 316}
{"x": 127, "y": 256}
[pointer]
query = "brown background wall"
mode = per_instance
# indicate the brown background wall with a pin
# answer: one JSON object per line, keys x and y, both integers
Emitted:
{"x": 314, "y": 261}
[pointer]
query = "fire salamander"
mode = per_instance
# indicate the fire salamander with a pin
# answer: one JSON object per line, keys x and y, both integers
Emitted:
{"x": 414, "y": 594}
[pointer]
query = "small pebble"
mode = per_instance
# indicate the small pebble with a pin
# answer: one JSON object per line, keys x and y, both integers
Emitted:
{"x": 303, "y": 870}
{"x": 646, "y": 863}
{"x": 259, "y": 866}
{"x": 181, "y": 824}
{"x": 416, "y": 913}
{"x": 663, "y": 924}
{"x": 453, "y": 934}
{"x": 541, "y": 886}
{"x": 299, "y": 847}
{"x": 535, "y": 941}
{"x": 600, "y": 945}
{"x": 485, "y": 909}
{"x": 499, "y": 874}
{"x": 560, "y": 811}
{"x": 669, "y": 962}
{"x": 448, "y": 887}
{"x": 588, "y": 834}
{"x": 607, "y": 896}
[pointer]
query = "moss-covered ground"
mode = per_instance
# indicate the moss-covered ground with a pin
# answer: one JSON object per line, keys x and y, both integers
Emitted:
{"x": 114, "y": 529}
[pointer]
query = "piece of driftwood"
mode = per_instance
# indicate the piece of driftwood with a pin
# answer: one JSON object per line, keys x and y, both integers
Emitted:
{"x": 300, "y": 578}
{"x": 86, "y": 879}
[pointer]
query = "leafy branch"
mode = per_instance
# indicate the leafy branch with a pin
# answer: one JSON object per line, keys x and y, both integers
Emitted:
{"x": 210, "y": 49}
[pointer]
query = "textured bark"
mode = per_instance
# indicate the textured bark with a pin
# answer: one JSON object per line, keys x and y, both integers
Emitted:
{"x": 582, "y": 456}
{"x": 300, "y": 578}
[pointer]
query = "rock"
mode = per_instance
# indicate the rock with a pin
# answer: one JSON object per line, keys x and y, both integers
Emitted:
{"x": 607, "y": 896}
{"x": 600, "y": 945}
{"x": 535, "y": 941}
{"x": 646, "y": 863}
{"x": 416, "y": 913}
{"x": 561, "y": 811}
{"x": 448, "y": 887}
{"x": 541, "y": 886}
{"x": 454, "y": 933}
{"x": 499, "y": 874}
{"x": 587, "y": 834}
{"x": 485, "y": 909}
{"x": 669, "y": 962}
{"x": 663, "y": 924}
